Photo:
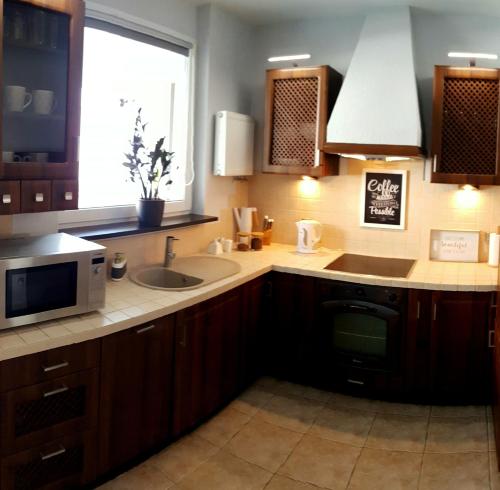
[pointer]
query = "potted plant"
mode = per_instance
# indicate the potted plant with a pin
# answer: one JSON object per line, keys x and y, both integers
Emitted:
{"x": 149, "y": 169}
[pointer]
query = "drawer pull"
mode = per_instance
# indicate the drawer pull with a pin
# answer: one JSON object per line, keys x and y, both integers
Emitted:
{"x": 355, "y": 382}
{"x": 47, "y": 369}
{"x": 68, "y": 196}
{"x": 491, "y": 339}
{"x": 39, "y": 197}
{"x": 145, "y": 329}
{"x": 6, "y": 199}
{"x": 53, "y": 454}
{"x": 62, "y": 389}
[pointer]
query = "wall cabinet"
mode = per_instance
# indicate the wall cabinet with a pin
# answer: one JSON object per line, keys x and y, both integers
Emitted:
{"x": 465, "y": 126}
{"x": 42, "y": 48}
{"x": 298, "y": 104}
{"x": 136, "y": 390}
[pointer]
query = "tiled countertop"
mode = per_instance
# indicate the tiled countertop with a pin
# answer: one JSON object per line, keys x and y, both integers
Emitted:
{"x": 128, "y": 304}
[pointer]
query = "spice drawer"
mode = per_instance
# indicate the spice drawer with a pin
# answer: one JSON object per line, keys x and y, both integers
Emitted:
{"x": 47, "y": 365}
{"x": 43, "y": 412}
{"x": 68, "y": 462}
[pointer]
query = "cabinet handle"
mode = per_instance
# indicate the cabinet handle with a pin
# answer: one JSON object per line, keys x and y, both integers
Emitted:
{"x": 145, "y": 329}
{"x": 39, "y": 197}
{"x": 68, "y": 196}
{"x": 434, "y": 314}
{"x": 6, "y": 199}
{"x": 355, "y": 382}
{"x": 47, "y": 369}
{"x": 53, "y": 454}
{"x": 491, "y": 338}
{"x": 183, "y": 341}
{"x": 62, "y": 389}
{"x": 434, "y": 163}
{"x": 418, "y": 310}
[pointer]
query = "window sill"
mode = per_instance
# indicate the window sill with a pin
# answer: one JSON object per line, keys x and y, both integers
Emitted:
{"x": 115, "y": 230}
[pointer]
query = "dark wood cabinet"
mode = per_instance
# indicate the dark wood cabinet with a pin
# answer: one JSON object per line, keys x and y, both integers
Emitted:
{"x": 36, "y": 196}
{"x": 41, "y": 65}
{"x": 290, "y": 341}
{"x": 460, "y": 356}
{"x": 206, "y": 359}
{"x": 136, "y": 392}
{"x": 465, "y": 126}
{"x": 10, "y": 197}
{"x": 64, "y": 195}
{"x": 298, "y": 104}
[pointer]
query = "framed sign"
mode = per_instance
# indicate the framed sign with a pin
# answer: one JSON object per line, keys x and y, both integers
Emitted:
{"x": 383, "y": 199}
{"x": 454, "y": 245}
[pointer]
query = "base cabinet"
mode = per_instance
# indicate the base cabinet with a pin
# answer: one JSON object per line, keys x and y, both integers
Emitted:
{"x": 136, "y": 390}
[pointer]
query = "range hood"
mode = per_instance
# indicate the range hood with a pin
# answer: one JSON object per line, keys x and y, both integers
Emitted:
{"x": 376, "y": 113}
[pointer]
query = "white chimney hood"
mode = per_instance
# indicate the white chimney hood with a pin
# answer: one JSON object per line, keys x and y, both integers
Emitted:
{"x": 376, "y": 112}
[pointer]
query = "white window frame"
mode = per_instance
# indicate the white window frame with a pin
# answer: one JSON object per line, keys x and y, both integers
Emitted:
{"x": 114, "y": 214}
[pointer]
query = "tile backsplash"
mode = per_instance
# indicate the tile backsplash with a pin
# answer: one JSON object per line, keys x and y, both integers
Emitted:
{"x": 335, "y": 202}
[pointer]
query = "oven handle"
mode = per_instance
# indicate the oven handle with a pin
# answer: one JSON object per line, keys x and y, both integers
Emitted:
{"x": 358, "y": 307}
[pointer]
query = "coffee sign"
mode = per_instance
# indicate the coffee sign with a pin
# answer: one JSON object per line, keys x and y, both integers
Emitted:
{"x": 383, "y": 199}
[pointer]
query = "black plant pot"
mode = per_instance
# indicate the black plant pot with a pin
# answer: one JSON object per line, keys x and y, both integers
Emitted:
{"x": 150, "y": 212}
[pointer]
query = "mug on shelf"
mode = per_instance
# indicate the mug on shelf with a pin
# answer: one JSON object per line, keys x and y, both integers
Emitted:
{"x": 7, "y": 156}
{"x": 44, "y": 102}
{"x": 16, "y": 98}
{"x": 39, "y": 157}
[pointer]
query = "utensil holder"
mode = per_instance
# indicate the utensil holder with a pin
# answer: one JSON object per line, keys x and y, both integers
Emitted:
{"x": 268, "y": 235}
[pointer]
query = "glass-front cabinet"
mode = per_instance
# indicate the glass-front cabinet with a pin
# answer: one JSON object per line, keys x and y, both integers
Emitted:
{"x": 41, "y": 79}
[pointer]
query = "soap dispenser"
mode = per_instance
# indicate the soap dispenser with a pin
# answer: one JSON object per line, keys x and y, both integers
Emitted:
{"x": 118, "y": 267}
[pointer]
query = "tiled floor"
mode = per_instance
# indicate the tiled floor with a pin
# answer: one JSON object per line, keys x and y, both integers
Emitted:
{"x": 281, "y": 436}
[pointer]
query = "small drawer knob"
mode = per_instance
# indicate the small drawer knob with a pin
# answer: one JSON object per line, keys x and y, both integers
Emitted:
{"x": 39, "y": 197}
{"x": 6, "y": 199}
{"x": 68, "y": 196}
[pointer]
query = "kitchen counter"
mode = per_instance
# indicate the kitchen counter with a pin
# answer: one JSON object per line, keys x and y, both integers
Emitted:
{"x": 128, "y": 304}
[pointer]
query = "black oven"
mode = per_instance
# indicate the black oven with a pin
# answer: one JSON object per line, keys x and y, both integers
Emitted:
{"x": 361, "y": 329}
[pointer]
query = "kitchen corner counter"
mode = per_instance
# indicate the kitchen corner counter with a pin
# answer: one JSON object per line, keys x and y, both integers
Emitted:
{"x": 128, "y": 304}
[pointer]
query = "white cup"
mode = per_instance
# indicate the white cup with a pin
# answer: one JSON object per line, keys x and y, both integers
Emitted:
{"x": 8, "y": 156}
{"x": 227, "y": 245}
{"x": 16, "y": 98}
{"x": 44, "y": 102}
{"x": 40, "y": 157}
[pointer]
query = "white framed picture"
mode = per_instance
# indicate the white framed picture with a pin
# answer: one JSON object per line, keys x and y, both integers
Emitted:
{"x": 383, "y": 199}
{"x": 454, "y": 245}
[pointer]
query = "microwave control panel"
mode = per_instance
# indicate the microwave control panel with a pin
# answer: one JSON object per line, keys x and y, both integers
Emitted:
{"x": 97, "y": 281}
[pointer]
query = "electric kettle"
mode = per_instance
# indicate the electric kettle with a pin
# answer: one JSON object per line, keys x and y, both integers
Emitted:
{"x": 309, "y": 234}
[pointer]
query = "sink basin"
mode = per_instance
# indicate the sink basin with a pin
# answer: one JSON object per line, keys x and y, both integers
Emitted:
{"x": 186, "y": 273}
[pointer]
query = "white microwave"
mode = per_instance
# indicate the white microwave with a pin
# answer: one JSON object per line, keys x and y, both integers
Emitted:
{"x": 50, "y": 276}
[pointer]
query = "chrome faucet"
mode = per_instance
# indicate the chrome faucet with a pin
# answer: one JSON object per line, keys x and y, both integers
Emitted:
{"x": 169, "y": 251}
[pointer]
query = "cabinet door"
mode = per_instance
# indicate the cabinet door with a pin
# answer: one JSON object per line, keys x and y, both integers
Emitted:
{"x": 418, "y": 339}
{"x": 136, "y": 384}
{"x": 465, "y": 124}
{"x": 64, "y": 195}
{"x": 10, "y": 197}
{"x": 293, "y": 315}
{"x": 459, "y": 346}
{"x": 42, "y": 69}
{"x": 254, "y": 333}
{"x": 298, "y": 104}
{"x": 206, "y": 359}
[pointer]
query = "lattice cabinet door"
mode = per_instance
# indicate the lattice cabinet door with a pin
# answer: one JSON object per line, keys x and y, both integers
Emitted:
{"x": 465, "y": 126}
{"x": 298, "y": 104}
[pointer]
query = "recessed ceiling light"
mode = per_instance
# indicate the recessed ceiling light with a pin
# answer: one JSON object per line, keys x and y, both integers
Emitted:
{"x": 291, "y": 57}
{"x": 478, "y": 56}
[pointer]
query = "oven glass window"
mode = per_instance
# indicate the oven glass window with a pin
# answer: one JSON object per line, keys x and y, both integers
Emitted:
{"x": 358, "y": 333}
{"x": 36, "y": 289}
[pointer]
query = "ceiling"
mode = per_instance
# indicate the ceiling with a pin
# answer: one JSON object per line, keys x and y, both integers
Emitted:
{"x": 271, "y": 11}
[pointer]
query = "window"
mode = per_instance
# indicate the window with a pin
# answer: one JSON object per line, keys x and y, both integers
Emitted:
{"x": 123, "y": 65}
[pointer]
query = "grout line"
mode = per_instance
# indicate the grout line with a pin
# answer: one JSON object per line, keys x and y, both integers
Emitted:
{"x": 425, "y": 447}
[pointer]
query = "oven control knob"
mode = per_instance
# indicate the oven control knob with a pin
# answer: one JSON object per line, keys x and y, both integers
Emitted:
{"x": 97, "y": 270}
{"x": 360, "y": 291}
{"x": 393, "y": 297}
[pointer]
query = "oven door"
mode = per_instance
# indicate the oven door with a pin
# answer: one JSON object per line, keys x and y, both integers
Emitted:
{"x": 42, "y": 288}
{"x": 361, "y": 334}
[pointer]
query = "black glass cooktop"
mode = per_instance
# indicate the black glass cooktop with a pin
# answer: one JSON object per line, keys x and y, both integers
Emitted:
{"x": 376, "y": 266}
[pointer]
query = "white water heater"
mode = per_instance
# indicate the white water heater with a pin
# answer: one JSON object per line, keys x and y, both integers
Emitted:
{"x": 233, "y": 147}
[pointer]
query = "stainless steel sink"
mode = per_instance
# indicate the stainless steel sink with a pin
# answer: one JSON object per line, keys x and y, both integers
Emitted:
{"x": 186, "y": 273}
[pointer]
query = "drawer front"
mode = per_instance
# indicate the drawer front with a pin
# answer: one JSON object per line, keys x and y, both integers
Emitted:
{"x": 35, "y": 196}
{"x": 10, "y": 197}
{"x": 64, "y": 195}
{"x": 68, "y": 462}
{"x": 33, "y": 415}
{"x": 47, "y": 365}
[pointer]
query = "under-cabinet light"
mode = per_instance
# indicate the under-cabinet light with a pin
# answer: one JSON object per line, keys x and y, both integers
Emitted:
{"x": 291, "y": 57}
{"x": 468, "y": 187}
{"x": 478, "y": 56}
